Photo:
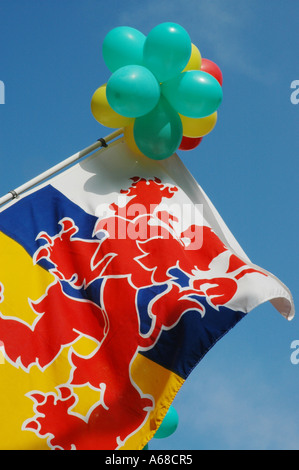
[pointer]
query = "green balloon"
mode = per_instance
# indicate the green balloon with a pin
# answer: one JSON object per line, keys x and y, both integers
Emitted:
{"x": 194, "y": 93}
{"x": 158, "y": 134}
{"x": 167, "y": 50}
{"x": 123, "y": 46}
{"x": 132, "y": 91}
{"x": 168, "y": 425}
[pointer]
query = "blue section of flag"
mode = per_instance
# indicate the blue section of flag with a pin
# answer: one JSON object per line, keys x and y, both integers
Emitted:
{"x": 41, "y": 211}
{"x": 144, "y": 297}
{"x": 192, "y": 338}
{"x": 183, "y": 346}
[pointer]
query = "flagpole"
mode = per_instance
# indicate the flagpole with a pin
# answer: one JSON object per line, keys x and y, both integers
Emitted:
{"x": 102, "y": 142}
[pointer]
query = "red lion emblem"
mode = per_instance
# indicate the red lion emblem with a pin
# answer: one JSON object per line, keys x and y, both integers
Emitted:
{"x": 126, "y": 256}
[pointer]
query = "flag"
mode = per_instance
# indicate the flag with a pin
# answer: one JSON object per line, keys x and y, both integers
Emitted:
{"x": 116, "y": 278}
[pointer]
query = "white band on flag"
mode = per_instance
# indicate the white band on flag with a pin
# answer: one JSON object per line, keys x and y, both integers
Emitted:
{"x": 13, "y": 194}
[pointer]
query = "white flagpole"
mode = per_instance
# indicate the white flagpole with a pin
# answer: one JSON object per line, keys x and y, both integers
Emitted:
{"x": 60, "y": 166}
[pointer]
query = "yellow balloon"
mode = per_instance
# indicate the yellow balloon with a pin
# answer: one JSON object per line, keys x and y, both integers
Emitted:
{"x": 194, "y": 61}
{"x": 103, "y": 112}
{"x": 198, "y": 127}
{"x": 129, "y": 139}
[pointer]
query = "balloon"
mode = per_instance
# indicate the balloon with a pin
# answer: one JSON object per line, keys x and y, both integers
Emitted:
{"x": 130, "y": 140}
{"x": 211, "y": 68}
{"x": 123, "y": 46}
{"x": 168, "y": 425}
{"x": 194, "y": 61}
{"x": 198, "y": 127}
{"x": 194, "y": 93}
{"x": 161, "y": 91}
{"x": 189, "y": 143}
{"x": 133, "y": 91}
{"x": 167, "y": 50}
{"x": 103, "y": 112}
{"x": 159, "y": 133}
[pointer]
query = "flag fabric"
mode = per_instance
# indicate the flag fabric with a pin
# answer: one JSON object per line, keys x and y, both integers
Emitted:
{"x": 116, "y": 278}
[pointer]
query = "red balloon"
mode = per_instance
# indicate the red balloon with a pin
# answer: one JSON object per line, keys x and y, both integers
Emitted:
{"x": 189, "y": 143}
{"x": 211, "y": 68}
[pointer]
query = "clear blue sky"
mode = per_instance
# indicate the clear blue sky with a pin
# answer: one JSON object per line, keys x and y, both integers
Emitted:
{"x": 244, "y": 394}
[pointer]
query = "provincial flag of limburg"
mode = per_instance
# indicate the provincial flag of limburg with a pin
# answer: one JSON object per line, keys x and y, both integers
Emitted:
{"x": 116, "y": 278}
